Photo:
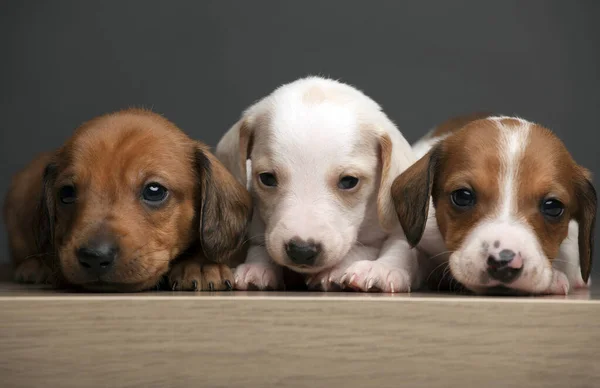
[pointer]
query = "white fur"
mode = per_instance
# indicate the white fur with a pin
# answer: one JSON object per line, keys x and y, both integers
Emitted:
{"x": 305, "y": 133}
{"x": 505, "y": 229}
{"x": 423, "y": 145}
{"x": 511, "y": 148}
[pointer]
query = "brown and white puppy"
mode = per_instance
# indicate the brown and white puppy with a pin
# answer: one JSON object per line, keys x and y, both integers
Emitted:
{"x": 114, "y": 207}
{"x": 511, "y": 208}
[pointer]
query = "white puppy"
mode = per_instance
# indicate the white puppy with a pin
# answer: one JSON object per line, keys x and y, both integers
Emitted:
{"x": 319, "y": 158}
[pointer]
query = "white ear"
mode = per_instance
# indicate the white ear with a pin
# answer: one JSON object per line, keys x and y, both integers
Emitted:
{"x": 232, "y": 150}
{"x": 396, "y": 156}
{"x": 235, "y": 146}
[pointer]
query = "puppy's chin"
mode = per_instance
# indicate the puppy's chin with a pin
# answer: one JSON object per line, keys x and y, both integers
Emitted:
{"x": 325, "y": 260}
{"x": 332, "y": 252}
{"x": 500, "y": 290}
{"x": 101, "y": 286}
{"x": 305, "y": 269}
{"x": 123, "y": 278}
{"x": 535, "y": 279}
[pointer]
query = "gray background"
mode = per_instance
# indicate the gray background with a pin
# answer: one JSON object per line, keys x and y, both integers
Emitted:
{"x": 201, "y": 62}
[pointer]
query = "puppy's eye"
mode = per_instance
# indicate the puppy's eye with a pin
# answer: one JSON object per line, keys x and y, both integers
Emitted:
{"x": 67, "y": 194}
{"x": 154, "y": 193}
{"x": 268, "y": 179}
{"x": 348, "y": 182}
{"x": 463, "y": 198}
{"x": 552, "y": 208}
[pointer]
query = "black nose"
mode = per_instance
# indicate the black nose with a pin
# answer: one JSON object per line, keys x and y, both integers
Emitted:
{"x": 500, "y": 267}
{"x": 302, "y": 252}
{"x": 98, "y": 255}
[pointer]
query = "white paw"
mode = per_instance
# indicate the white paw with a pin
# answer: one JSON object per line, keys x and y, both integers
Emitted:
{"x": 328, "y": 280}
{"x": 261, "y": 276}
{"x": 559, "y": 284}
{"x": 368, "y": 275}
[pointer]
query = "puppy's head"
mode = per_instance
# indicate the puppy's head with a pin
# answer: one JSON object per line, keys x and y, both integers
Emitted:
{"x": 128, "y": 193}
{"x": 320, "y": 152}
{"x": 504, "y": 192}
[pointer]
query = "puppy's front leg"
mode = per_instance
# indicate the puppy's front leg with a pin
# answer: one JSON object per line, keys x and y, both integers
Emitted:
{"x": 196, "y": 273}
{"x": 33, "y": 270}
{"x": 258, "y": 271}
{"x": 396, "y": 269}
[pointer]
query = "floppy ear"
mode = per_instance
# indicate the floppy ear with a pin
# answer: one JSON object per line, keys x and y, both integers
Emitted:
{"x": 225, "y": 208}
{"x": 394, "y": 158}
{"x": 411, "y": 192}
{"x": 586, "y": 218}
{"x": 235, "y": 147}
{"x": 29, "y": 210}
{"x": 47, "y": 210}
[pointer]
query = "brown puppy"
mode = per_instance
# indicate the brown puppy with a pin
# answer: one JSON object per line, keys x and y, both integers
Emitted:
{"x": 128, "y": 199}
{"x": 512, "y": 210}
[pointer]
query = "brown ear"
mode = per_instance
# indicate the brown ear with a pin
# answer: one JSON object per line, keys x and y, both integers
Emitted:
{"x": 47, "y": 210}
{"x": 225, "y": 208}
{"x": 396, "y": 156}
{"x": 586, "y": 218}
{"x": 411, "y": 192}
{"x": 29, "y": 210}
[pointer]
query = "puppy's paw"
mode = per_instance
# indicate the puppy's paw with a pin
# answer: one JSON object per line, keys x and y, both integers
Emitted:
{"x": 559, "y": 284}
{"x": 328, "y": 280}
{"x": 190, "y": 275}
{"x": 579, "y": 284}
{"x": 368, "y": 275}
{"x": 33, "y": 270}
{"x": 249, "y": 276}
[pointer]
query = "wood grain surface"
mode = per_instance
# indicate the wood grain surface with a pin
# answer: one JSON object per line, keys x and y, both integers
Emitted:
{"x": 48, "y": 339}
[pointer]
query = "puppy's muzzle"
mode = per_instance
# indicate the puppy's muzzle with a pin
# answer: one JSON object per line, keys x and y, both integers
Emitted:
{"x": 98, "y": 255}
{"x": 506, "y": 266}
{"x": 302, "y": 253}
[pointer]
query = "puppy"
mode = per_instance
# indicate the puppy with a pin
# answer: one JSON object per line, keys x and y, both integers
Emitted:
{"x": 319, "y": 158}
{"x": 114, "y": 207}
{"x": 511, "y": 209}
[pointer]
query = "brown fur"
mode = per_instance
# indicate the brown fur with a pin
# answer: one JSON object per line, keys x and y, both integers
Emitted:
{"x": 547, "y": 167}
{"x": 468, "y": 158}
{"x": 467, "y": 161}
{"x": 109, "y": 160}
{"x": 455, "y": 123}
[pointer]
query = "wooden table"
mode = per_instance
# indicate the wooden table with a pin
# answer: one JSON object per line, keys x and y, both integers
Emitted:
{"x": 255, "y": 339}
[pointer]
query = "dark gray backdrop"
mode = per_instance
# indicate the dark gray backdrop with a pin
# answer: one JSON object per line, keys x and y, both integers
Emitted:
{"x": 201, "y": 62}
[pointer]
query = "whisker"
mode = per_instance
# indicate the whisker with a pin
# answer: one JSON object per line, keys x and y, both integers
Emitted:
{"x": 433, "y": 270}
{"x": 39, "y": 255}
{"x": 566, "y": 262}
{"x": 252, "y": 238}
{"x": 441, "y": 253}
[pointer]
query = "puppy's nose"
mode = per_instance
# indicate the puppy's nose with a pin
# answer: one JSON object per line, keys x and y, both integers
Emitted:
{"x": 98, "y": 255}
{"x": 302, "y": 252}
{"x": 506, "y": 267}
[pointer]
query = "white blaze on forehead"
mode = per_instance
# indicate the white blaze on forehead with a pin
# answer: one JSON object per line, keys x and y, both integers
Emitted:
{"x": 512, "y": 144}
{"x": 304, "y": 132}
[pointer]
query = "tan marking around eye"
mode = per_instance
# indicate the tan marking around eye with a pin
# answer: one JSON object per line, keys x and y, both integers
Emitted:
{"x": 470, "y": 156}
{"x": 546, "y": 167}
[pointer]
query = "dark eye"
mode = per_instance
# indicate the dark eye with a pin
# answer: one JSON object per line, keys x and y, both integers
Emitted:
{"x": 347, "y": 182}
{"x": 268, "y": 179}
{"x": 154, "y": 193}
{"x": 67, "y": 194}
{"x": 463, "y": 198}
{"x": 552, "y": 208}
